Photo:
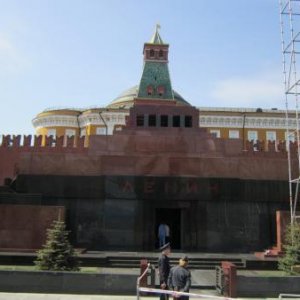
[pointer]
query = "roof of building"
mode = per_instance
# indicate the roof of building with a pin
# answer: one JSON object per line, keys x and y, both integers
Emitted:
{"x": 126, "y": 99}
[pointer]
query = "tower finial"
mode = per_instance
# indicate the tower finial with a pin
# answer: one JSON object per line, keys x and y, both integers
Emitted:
{"x": 156, "y": 39}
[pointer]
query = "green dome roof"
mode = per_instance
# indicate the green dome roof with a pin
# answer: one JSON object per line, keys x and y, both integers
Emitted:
{"x": 125, "y": 100}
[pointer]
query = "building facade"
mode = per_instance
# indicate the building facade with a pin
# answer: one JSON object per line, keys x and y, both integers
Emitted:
{"x": 248, "y": 124}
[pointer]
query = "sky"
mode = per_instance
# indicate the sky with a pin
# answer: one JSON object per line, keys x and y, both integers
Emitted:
{"x": 83, "y": 53}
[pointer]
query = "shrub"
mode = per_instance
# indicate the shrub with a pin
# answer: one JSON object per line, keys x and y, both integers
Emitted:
{"x": 57, "y": 254}
{"x": 291, "y": 248}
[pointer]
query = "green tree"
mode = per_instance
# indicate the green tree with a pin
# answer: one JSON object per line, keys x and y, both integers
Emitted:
{"x": 291, "y": 248}
{"x": 57, "y": 254}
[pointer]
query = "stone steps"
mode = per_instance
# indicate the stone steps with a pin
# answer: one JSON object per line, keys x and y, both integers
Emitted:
{"x": 194, "y": 263}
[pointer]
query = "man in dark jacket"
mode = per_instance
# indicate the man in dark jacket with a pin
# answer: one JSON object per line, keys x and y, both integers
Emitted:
{"x": 180, "y": 278}
{"x": 164, "y": 269}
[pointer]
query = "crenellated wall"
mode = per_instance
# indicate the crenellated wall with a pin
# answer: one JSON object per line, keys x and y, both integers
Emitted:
{"x": 234, "y": 186}
{"x": 157, "y": 152}
{"x": 35, "y": 142}
{"x": 15, "y": 147}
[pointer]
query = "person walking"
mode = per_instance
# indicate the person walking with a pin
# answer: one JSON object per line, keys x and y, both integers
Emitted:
{"x": 164, "y": 269}
{"x": 179, "y": 279}
{"x": 162, "y": 230}
{"x": 167, "y": 233}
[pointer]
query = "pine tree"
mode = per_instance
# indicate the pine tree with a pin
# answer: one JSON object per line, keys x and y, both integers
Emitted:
{"x": 57, "y": 254}
{"x": 291, "y": 248}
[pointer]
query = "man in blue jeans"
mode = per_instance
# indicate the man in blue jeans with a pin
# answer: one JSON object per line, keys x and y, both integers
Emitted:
{"x": 162, "y": 231}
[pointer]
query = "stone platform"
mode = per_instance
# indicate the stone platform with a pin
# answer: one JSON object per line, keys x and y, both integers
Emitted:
{"x": 117, "y": 259}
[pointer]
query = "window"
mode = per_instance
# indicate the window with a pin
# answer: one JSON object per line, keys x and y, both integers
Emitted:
{"x": 271, "y": 135}
{"x": 215, "y": 132}
{"x": 101, "y": 131}
{"x": 70, "y": 132}
{"x": 152, "y": 120}
{"x": 149, "y": 90}
{"x": 160, "y": 54}
{"x": 176, "y": 121}
{"x": 140, "y": 120}
{"x": 160, "y": 90}
{"x": 51, "y": 132}
{"x": 188, "y": 121}
{"x": 252, "y": 135}
{"x": 290, "y": 137}
{"x": 151, "y": 53}
{"x": 234, "y": 134}
{"x": 164, "y": 121}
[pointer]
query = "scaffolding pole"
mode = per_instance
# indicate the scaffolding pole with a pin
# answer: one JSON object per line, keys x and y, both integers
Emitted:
{"x": 290, "y": 47}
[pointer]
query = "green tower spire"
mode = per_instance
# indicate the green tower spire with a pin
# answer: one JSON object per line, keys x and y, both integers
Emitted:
{"x": 155, "y": 81}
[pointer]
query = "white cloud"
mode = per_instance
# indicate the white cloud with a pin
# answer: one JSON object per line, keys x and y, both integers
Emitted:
{"x": 262, "y": 90}
{"x": 11, "y": 60}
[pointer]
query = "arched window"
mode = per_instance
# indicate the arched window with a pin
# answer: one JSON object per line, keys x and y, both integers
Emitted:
{"x": 150, "y": 90}
{"x": 160, "y": 90}
{"x": 151, "y": 53}
{"x": 161, "y": 54}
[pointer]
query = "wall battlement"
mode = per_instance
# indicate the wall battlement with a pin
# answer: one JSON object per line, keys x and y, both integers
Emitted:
{"x": 79, "y": 144}
{"x": 151, "y": 152}
{"x": 49, "y": 143}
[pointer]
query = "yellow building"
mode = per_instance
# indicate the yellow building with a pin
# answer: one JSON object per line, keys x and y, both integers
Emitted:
{"x": 243, "y": 123}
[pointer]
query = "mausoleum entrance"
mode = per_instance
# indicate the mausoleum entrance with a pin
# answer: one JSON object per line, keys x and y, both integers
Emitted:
{"x": 172, "y": 218}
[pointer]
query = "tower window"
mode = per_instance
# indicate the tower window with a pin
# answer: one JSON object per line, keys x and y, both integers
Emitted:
{"x": 176, "y": 121}
{"x": 160, "y": 90}
{"x": 161, "y": 53}
{"x": 164, "y": 121}
{"x": 152, "y": 120}
{"x": 188, "y": 121}
{"x": 151, "y": 53}
{"x": 149, "y": 90}
{"x": 140, "y": 120}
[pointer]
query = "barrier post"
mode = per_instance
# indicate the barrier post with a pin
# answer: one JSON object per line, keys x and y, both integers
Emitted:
{"x": 144, "y": 266}
{"x": 230, "y": 279}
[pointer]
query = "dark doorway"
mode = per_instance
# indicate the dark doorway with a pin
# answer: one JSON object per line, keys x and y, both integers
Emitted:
{"x": 172, "y": 217}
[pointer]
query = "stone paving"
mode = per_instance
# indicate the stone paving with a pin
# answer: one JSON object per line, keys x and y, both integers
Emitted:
{"x": 24, "y": 296}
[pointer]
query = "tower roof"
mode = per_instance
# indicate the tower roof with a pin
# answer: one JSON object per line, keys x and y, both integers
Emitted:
{"x": 156, "y": 38}
{"x": 155, "y": 83}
